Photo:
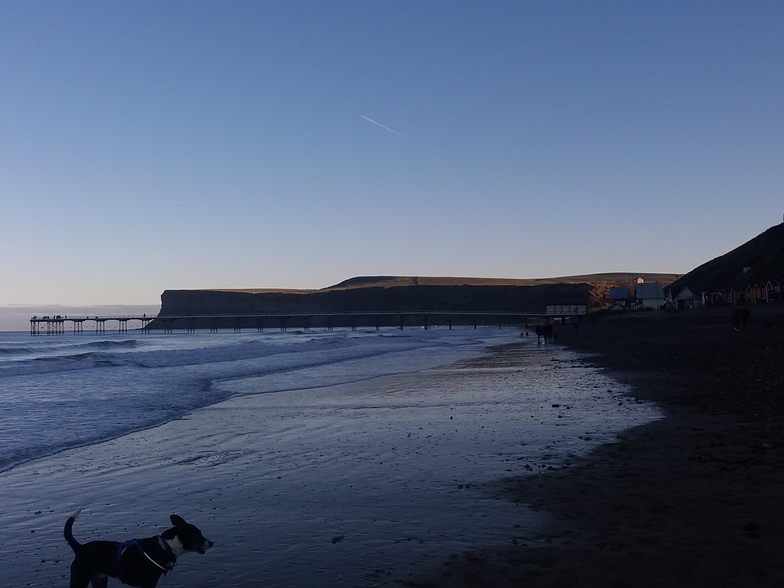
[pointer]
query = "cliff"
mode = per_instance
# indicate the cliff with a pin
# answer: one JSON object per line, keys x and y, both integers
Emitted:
{"x": 395, "y": 298}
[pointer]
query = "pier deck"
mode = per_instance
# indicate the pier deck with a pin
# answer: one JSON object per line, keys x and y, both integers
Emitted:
{"x": 56, "y": 325}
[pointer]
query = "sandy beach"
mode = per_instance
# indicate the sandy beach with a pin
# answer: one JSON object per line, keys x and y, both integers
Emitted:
{"x": 692, "y": 500}
{"x": 506, "y": 470}
{"x": 364, "y": 484}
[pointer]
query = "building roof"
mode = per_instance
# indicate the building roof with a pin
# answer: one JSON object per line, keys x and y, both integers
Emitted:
{"x": 620, "y": 293}
{"x": 686, "y": 294}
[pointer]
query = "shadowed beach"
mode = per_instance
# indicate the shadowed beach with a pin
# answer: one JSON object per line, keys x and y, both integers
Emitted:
{"x": 690, "y": 500}
{"x": 362, "y": 483}
{"x": 504, "y": 470}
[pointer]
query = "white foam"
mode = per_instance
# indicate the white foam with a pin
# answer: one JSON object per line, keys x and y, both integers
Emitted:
{"x": 70, "y": 390}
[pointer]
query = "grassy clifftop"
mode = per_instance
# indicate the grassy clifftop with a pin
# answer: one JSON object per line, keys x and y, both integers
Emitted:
{"x": 392, "y": 281}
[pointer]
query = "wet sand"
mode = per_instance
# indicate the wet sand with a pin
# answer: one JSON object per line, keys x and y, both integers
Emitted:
{"x": 693, "y": 500}
{"x": 365, "y": 484}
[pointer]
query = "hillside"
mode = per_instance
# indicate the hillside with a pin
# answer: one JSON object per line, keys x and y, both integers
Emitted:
{"x": 390, "y": 281}
{"x": 403, "y": 294}
{"x": 756, "y": 261}
{"x": 439, "y": 298}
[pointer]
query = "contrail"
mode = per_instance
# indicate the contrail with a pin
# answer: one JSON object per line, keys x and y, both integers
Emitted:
{"x": 383, "y": 127}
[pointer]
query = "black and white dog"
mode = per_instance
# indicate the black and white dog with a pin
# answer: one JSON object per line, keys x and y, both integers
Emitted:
{"x": 139, "y": 562}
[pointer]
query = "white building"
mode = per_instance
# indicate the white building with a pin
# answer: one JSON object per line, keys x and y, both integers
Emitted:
{"x": 688, "y": 299}
{"x": 650, "y": 295}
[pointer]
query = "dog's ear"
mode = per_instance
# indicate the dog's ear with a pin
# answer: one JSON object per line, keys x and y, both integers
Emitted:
{"x": 177, "y": 520}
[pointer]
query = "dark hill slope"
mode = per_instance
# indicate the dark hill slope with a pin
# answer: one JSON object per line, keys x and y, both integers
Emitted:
{"x": 758, "y": 260}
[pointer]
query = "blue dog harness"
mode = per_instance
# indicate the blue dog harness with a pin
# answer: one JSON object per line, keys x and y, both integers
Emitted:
{"x": 123, "y": 547}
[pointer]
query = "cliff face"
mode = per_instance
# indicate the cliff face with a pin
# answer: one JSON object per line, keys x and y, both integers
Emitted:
{"x": 457, "y": 298}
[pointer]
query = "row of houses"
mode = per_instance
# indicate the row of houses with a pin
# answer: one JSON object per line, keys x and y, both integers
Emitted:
{"x": 770, "y": 291}
{"x": 654, "y": 296}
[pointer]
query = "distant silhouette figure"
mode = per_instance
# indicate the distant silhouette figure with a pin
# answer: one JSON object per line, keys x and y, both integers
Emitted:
{"x": 744, "y": 317}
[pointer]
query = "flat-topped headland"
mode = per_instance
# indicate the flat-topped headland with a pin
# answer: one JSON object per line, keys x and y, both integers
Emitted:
{"x": 397, "y": 295}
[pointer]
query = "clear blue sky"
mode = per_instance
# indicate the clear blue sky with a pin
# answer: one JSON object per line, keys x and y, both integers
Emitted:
{"x": 157, "y": 145}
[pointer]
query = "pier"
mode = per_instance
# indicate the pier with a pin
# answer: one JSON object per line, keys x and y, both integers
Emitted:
{"x": 56, "y": 325}
{"x": 59, "y": 324}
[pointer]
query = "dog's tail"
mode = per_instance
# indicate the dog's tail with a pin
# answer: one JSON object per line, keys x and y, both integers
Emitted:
{"x": 68, "y": 531}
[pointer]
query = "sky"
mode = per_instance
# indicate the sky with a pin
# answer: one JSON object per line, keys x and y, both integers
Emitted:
{"x": 147, "y": 146}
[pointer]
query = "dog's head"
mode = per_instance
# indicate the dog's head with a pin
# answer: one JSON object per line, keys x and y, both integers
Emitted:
{"x": 183, "y": 537}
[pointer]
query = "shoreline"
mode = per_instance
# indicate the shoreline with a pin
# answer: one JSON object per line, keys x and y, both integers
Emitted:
{"x": 359, "y": 484}
{"x": 89, "y": 347}
{"x": 693, "y": 499}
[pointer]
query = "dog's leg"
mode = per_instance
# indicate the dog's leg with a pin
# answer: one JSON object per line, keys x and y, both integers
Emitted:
{"x": 100, "y": 580}
{"x": 80, "y": 575}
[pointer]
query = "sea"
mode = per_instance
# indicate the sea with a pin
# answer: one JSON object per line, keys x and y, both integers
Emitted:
{"x": 70, "y": 390}
{"x": 311, "y": 457}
